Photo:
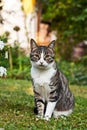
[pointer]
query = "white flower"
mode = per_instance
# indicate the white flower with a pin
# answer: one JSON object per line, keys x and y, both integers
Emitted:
{"x": 85, "y": 42}
{"x": 3, "y": 71}
{"x": 13, "y": 15}
{"x": 1, "y": 45}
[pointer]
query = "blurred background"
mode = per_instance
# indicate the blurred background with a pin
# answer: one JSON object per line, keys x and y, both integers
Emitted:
{"x": 64, "y": 21}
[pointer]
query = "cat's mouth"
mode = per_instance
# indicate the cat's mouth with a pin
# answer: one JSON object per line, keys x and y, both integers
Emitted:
{"x": 42, "y": 66}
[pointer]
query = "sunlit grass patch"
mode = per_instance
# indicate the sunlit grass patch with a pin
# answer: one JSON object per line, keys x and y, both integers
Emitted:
{"x": 79, "y": 91}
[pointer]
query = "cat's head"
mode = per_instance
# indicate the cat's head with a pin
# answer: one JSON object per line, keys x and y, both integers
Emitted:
{"x": 42, "y": 56}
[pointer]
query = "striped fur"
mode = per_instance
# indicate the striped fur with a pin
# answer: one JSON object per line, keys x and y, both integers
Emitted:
{"x": 52, "y": 95}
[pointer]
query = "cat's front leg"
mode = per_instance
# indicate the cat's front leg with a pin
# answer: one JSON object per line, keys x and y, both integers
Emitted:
{"x": 40, "y": 104}
{"x": 40, "y": 107}
{"x": 49, "y": 110}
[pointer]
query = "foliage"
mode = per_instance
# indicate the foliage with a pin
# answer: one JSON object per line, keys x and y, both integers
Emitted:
{"x": 17, "y": 103}
{"x": 17, "y": 64}
{"x": 69, "y": 18}
{"x": 3, "y": 60}
{"x": 71, "y": 13}
{"x": 75, "y": 72}
{"x": 20, "y": 64}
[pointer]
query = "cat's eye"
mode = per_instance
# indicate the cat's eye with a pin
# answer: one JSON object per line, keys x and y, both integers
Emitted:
{"x": 37, "y": 55}
{"x": 47, "y": 56}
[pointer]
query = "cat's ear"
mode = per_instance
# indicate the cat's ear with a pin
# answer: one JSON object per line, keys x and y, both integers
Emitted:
{"x": 33, "y": 44}
{"x": 52, "y": 44}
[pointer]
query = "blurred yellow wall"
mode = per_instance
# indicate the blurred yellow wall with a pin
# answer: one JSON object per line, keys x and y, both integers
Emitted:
{"x": 29, "y": 6}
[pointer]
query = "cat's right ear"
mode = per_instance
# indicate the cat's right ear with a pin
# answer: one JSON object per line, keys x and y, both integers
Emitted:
{"x": 33, "y": 44}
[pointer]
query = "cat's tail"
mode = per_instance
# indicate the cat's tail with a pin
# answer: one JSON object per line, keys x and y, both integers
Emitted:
{"x": 62, "y": 113}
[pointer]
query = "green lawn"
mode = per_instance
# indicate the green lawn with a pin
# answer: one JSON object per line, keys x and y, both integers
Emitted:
{"x": 16, "y": 108}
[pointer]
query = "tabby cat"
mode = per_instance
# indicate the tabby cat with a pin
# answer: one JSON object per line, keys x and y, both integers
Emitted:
{"x": 52, "y": 95}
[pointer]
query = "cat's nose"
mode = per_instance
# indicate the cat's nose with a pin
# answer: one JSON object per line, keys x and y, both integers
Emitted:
{"x": 41, "y": 62}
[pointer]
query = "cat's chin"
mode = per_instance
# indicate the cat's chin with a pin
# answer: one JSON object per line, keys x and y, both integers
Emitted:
{"x": 42, "y": 67}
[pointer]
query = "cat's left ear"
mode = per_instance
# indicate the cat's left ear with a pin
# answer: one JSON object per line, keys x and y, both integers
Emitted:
{"x": 52, "y": 44}
{"x": 33, "y": 44}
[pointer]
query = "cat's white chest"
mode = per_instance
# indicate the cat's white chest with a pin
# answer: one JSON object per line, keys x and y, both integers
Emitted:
{"x": 42, "y": 77}
{"x": 42, "y": 80}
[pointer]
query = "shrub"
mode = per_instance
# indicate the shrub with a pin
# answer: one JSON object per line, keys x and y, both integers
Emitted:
{"x": 75, "y": 72}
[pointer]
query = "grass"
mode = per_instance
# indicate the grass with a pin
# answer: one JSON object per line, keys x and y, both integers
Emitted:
{"x": 17, "y": 103}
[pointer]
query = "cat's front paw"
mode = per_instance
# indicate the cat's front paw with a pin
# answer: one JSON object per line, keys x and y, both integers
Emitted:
{"x": 47, "y": 118}
{"x": 39, "y": 116}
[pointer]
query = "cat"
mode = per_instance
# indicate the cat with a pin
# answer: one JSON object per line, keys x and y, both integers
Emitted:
{"x": 52, "y": 94}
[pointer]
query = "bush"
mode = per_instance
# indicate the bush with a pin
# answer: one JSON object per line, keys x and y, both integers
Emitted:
{"x": 20, "y": 64}
{"x": 75, "y": 72}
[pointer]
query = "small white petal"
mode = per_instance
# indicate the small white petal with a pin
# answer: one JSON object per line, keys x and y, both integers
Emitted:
{"x": 85, "y": 42}
{"x": 1, "y": 45}
{"x": 3, "y": 71}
